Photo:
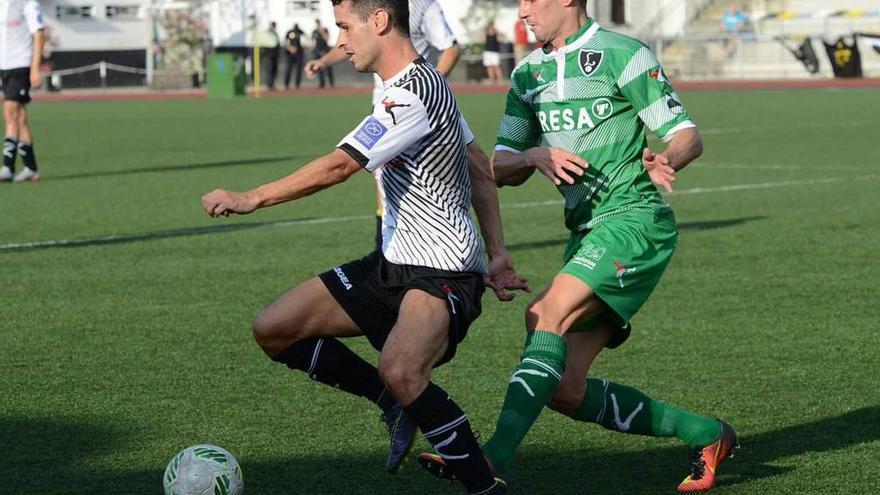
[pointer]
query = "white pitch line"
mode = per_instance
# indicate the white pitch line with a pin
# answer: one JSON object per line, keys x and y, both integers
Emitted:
{"x": 764, "y": 128}
{"x": 721, "y": 189}
{"x": 771, "y": 166}
{"x": 531, "y": 204}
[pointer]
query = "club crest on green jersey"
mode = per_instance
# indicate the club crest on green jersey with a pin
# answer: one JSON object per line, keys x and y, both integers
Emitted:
{"x": 590, "y": 60}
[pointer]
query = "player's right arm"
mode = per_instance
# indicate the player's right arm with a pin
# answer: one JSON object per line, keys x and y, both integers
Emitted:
{"x": 319, "y": 174}
{"x": 379, "y": 138}
{"x": 517, "y": 152}
{"x": 334, "y": 56}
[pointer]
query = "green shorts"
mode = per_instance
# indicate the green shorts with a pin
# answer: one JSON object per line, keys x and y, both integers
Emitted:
{"x": 622, "y": 260}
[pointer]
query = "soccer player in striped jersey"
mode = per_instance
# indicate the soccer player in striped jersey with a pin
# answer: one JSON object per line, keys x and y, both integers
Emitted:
{"x": 577, "y": 111}
{"x": 415, "y": 298}
{"x": 428, "y": 28}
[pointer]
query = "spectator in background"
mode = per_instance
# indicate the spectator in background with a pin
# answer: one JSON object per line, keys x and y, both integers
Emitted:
{"x": 321, "y": 39}
{"x": 508, "y": 59}
{"x": 733, "y": 23}
{"x": 272, "y": 54}
{"x": 492, "y": 54}
{"x": 294, "y": 48}
{"x": 520, "y": 40}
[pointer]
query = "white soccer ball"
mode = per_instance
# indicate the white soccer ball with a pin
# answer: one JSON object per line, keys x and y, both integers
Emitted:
{"x": 203, "y": 470}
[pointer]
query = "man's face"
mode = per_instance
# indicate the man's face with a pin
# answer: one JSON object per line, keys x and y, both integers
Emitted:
{"x": 356, "y": 37}
{"x": 544, "y": 17}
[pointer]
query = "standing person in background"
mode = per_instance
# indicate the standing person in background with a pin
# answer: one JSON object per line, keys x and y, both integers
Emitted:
{"x": 321, "y": 37}
{"x": 21, "y": 51}
{"x": 294, "y": 48}
{"x": 492, "y": 54}
{"x": 273, "y": 53}
{"x": 520, "y": 40}
{"x": 508, "y": 59}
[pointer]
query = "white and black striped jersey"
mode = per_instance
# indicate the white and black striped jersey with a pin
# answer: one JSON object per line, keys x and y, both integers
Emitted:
{"x": 414, "y": 143}
{"x": 427, "y": 28}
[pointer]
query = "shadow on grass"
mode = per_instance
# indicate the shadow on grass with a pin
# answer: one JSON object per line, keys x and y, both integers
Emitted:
{"x": 61, "y": 455}
{"x": 686, "y": 226}
{"x": 171, "y": 168}
{"x": 218, "y": 229}
{"x": 660, "y": 470}
{"x": 52, "y": 456}
{"x": 158, "y": 235}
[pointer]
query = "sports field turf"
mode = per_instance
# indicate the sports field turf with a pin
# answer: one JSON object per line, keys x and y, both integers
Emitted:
{"x": 133, "y": 340}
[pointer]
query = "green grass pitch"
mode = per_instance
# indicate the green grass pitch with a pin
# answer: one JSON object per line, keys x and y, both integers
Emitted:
{"x": 130, "y": 339}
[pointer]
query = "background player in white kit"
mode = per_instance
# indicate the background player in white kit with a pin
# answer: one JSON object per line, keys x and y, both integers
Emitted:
{"x": 21, "y": 49}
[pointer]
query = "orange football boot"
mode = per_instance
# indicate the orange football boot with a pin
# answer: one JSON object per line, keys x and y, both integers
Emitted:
{"x": 705, "y": 460}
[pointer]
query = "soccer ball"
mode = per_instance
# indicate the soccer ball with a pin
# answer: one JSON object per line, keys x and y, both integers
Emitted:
{"x": 203, "y": 470}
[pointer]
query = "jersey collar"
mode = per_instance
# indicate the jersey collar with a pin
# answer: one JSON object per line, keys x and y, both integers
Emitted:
{"x": 396, "y": 77}
{"x": 576, "y": 40}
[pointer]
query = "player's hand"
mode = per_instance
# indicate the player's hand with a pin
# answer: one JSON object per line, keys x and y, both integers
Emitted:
{"x": 36, "y": 79}
{"x": 659, "y": 169}
{"x": 503, "y": 278}
{"x": 556, "y": 164}
{"x": 219, "y": 203}
{"x": 313, "y": 67}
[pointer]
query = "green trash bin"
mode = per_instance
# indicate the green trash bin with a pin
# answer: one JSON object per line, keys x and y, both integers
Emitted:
{"x": 226, "y": 77}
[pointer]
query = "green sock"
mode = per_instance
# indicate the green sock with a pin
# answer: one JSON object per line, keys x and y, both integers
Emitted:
{"x": 625, "y": 409}
{"x": 531, "y": 386}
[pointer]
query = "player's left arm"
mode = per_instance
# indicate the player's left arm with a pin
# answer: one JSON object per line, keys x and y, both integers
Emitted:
{"x": 321, "y": 173}
{"x": 644, "y": 83}
{"x": 502, "y": 276}
{"x": 34, "y": 18}
{"x": 686, "y": 146}
{"x": 441, "y": 37}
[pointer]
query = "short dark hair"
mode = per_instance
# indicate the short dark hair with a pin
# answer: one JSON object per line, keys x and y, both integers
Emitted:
{"x": 398, "y": 10}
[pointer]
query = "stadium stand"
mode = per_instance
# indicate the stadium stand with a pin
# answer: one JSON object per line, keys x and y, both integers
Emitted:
{"x": 762, "y": 52}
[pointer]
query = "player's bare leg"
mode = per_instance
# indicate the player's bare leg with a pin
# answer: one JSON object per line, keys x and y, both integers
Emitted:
{"x": 304, "y": 312}
{"x": 299, "y": 328}
{"x": 24, "y": 129}
{"x": 417, "y": 343}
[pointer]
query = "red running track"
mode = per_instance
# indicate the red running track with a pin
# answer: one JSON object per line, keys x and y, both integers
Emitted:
{"x": 117, "y": 95}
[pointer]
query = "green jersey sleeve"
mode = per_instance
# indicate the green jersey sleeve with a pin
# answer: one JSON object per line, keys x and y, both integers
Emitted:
{"x": 519, "y": 129}
{"x": 643, "y": 82}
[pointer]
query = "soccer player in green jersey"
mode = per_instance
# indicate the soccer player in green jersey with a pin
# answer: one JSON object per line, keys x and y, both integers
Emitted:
{"x": 576, "y": 111}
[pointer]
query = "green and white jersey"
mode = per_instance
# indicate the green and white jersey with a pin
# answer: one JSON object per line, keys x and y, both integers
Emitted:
{"x": 594, "y": 97}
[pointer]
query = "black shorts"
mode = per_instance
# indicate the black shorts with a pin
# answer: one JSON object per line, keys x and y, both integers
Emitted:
{"x": 16, "y": 84}
{"x": 371, "y": 289}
